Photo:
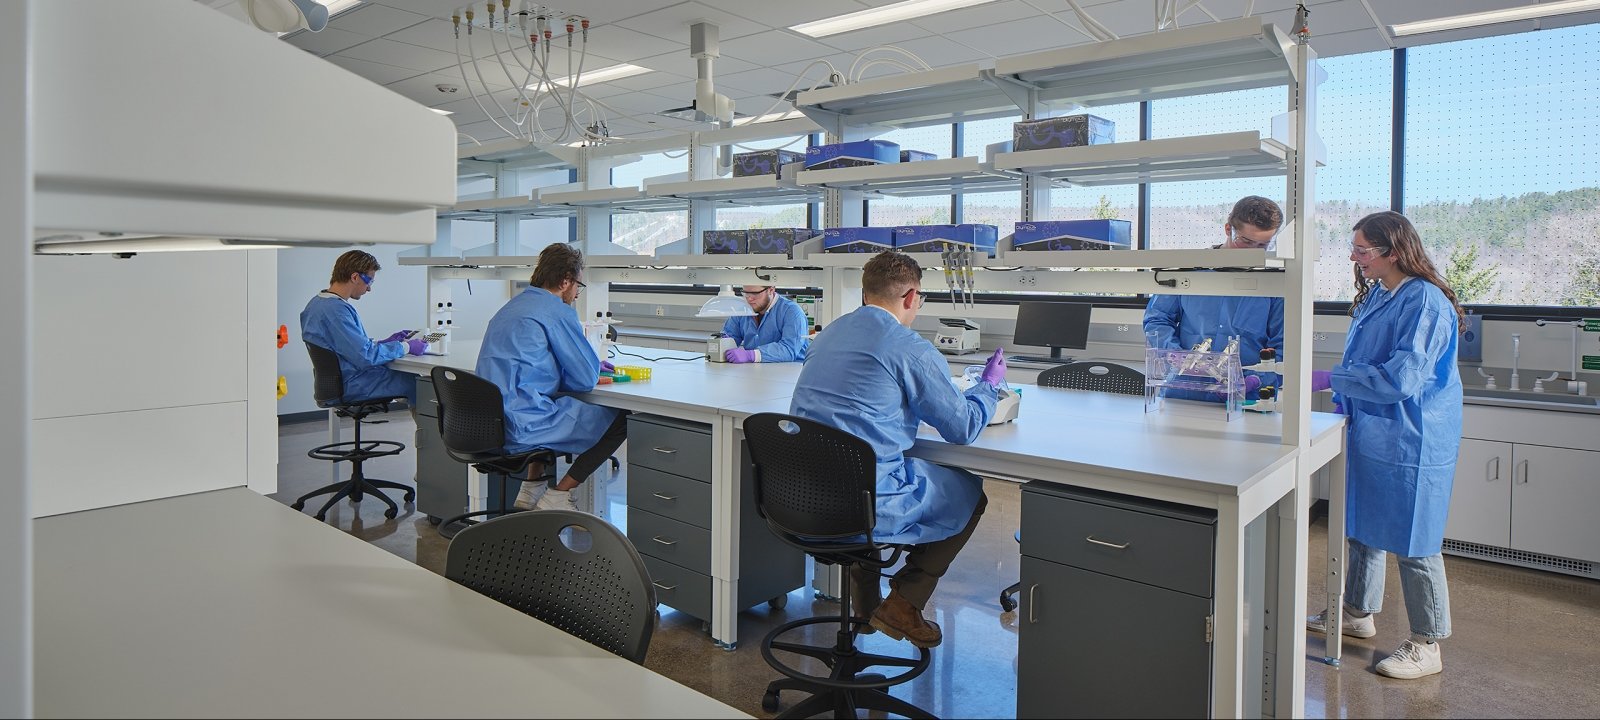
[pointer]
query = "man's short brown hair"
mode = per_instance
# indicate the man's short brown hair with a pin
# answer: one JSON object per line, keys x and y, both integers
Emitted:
{"x": 355, "y": 261}
{"x": 557, "y": 262}
{"x": 890, "y": 275}
{"x": 1258, "y": 211}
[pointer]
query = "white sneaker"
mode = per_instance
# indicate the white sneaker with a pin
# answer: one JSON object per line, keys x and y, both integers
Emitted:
{"x": 528, "y": 496}
{"x": 1359, "y": 627}
{"x": 1413, "y": 660}
{"x": 554, "y": 499}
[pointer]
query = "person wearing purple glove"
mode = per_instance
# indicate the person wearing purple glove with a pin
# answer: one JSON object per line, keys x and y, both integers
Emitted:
{"x": 1321, "y": 380}
{"x": 994, "y": 371}
{"x": 1399, "y": 386}
{"x": 777, "y": 332}
{"x": 607, "y": 367}
{"x": 397, "y": 337}
{"x": 330, "y": 320}
{"x": 874, "y": 377}
{"x": 741, "y": 355}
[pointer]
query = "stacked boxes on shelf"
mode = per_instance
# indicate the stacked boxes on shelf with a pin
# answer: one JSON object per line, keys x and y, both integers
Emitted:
{"x": 857, "y": 239}
{"x": 852, "y": 154}
{"x": 725, "y": 242}
{"x": 764, "y": 162}
{"x": 776, "y": 241}
{"x": 1059, "y": 132}
{"x": 1073, "y": 235}
{"x": 938, "y": 238}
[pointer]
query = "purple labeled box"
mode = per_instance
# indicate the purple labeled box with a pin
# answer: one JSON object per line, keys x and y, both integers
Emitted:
{"x": 1068, "y": 131}
{"x": 852, "y": 154}
{"x": 857, "y": 239}
{"x": 936, "y": 238}
{"x": 1073, "y": 235}
{"x": 916, "y": 156}
{"x": 777, "y": 241}
{"x": 724, "y": 242}
{"x": 764, "y": 162}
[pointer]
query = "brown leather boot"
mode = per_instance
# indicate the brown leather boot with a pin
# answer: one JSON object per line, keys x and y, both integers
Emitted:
{"x": 900, "y": 620}
{"x": 866, "y": 594}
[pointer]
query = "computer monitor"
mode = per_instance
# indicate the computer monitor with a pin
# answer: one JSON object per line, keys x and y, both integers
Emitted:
{"x": 1055, "y": 325}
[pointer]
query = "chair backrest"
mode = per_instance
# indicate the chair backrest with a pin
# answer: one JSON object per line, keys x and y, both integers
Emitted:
{"x": 601, "y": 593}
{"x": 327, "y": 384}
{"x": 472, "y": 416}
{"x": 812, "y": 480}
{"x": 1090, "y": 375}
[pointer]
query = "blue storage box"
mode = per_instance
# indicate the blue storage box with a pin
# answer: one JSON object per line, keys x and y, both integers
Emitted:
{"x": 1073, "y": 235}
{"x": 724, "y": 242}
{"x": 916, "y": 156}
{"x": 777, "y": 240}
{"x": 857, "y": 239}
{"x": 1068, "y": 131}
{"x": 935, "y": 238}
{"x": 764, "y": 162}
{"x": 852, "y": 154}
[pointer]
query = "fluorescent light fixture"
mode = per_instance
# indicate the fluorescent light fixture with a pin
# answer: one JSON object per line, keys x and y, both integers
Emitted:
{"x": 615, "y": 72}
{"x": 771, "y": 117}
{"x": 1491, "y": 17}
{"x": 443, "y": 112}
{"x": 881, "y": 16}
{"x": 78, "y": 244}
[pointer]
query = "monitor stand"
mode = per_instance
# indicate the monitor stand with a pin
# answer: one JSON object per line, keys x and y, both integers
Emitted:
{"x": 1054, "y": 358}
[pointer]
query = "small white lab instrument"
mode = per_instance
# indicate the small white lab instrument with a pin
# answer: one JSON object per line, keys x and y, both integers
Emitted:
{"x": 438, "y": 340}
{"x": 956, "y": 336}
{"x": 718, "y": 345}
{"x": 1006, "y": 406}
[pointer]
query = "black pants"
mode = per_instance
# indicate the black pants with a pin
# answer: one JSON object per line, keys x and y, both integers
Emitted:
{"x": 602, "y": 450}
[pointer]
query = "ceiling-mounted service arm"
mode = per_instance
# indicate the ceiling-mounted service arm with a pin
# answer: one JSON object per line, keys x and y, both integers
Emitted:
{"x": 709, "y": 105}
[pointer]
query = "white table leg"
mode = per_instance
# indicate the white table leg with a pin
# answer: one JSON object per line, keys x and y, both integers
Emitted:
{"x": 1288, "y": 676}
{"x": 724, "y": 533}
{"x": 1227, "y": 644}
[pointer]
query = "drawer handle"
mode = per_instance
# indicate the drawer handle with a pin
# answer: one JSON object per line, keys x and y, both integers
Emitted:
{"x": 668, "y": 498}
{"x": 1495, "y": 461}
{"x": 664, "y": 587}
{"x": 1031, "y": 604}
{"x": 666, "y": 451}
{"x": 1103, "y": 543}
{"x": 664, "y": 542}
{"x": 1521, "y": 469}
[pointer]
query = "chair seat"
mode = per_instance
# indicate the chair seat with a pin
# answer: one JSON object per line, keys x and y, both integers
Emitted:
{"x": 360, "y": 408}
{"x": 494, "y": 462}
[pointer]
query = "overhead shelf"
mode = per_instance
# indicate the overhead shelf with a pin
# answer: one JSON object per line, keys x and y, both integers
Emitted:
{"x": 910, "y": 179}
{"x": 751, "y": 260}
{"x": 626, "y": 199}
{"x": 1133, "y": 259}
{"x": 752, "y": 190}
{"x": 1200, "y": 157}
{"x": 928, "y": 97}
{"x": 490, "y": 208}
{"x": 1206, "y": 58}
{"x": 512, "y": 153}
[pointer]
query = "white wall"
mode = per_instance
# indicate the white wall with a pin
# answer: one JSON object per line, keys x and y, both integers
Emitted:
{"x": 16, "y": 272}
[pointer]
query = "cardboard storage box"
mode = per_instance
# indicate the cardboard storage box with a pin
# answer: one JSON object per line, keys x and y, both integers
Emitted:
{"x": 935, "y": 238}
{"x": 777, "y": 240}
{"x": 764, "y": 162}
{"x": 1068, "y": 131}
{"x": 852, "y": 154}
{"x": 1073, "y": 235}
{"x": 857, "y": 239}
{"x": 724, "y": 242}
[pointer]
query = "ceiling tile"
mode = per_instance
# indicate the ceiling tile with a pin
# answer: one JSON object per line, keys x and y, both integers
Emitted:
{"x": 680, "y": 64}
{"x": 620, "y": 43}
{"x": 881, "y": 35}
{"x": 327, "y": 42}
{"x": 986, "y": 14}
{"x": 374, "y": 20}
{"x": 1016, "y": 36}
{"x": 768, "y": 80}
{"x": 785, "y": 14}
{"x": 436, "y": 34}
{"x": 775, "y": 47}
{"x": 939, "y": 52}
{"x": 642, "y": 103}
{"x": 647, "y": 81}
{"x": 398, "y": 54}
{"x": 673, "y": 22}
{"x": 380, "y": 74}
{"x": 424, "y": 88}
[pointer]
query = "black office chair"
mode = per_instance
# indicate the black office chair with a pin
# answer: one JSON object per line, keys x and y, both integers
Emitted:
{"x": 1087, "y": 375}
{"x": 328, "y": 389}
{"x": 816, "y": 487}
{"x": 472, "y": 424}
{"x": 598, "y": 590}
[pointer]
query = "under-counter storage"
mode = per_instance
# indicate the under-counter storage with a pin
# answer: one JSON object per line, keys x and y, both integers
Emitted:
{"x": 670, "y": 520}
{"x": 1116, "y": 605}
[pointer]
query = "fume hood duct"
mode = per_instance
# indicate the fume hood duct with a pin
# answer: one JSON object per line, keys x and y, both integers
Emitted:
{"x": 165, "y": 118}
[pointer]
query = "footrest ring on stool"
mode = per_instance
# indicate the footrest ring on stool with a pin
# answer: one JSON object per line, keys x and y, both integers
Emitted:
{"x": 862, "y": 659}
{"x": 351, "y": 450}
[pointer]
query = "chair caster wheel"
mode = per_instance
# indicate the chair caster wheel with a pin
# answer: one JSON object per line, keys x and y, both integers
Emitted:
{"x": 769, "y": 701}
{"x": 1007, "y": 603}
{"x": 778, "y": 603}
{"x": 390, "y": 513}
{"x": 410, "y": 496}
{"x": 435, "y": 520}
{"x": 298, "y": 506}
{"x": 322, "y": 517}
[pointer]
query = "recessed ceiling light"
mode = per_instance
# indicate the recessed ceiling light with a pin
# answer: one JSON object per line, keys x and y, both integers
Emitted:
{"x": 1491, "y": 17}
{"x": 614, "y": 72}
{"x": 881, "y": 16}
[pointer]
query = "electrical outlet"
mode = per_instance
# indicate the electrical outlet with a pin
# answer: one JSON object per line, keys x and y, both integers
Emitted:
{"x": 661, "y": 311}
{"x": 1319, "y": 337}
{"x": 1122, "y": 328}
{"x": 1183, "y": 282}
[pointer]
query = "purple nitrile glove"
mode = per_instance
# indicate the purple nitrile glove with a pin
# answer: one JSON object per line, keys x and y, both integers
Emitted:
{"x": 739, "y": 355}
{"x": 1338, "y": 408}
{"x": 606, "y": 366}
{"x": 994, "y": 371}
{"x": 416, "y": 347}
{"x": 1251, "y": 384}
{"x": 397, "y": 337}
{"x": 1321, "y": 380}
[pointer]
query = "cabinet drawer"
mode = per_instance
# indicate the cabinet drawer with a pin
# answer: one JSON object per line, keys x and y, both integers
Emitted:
{"x": 670, "y": 496}
{"x": 679, "y": 588}
{"x": 670, "y": 540}
{"x": 674, "y": 448}
{"x": 427, "y": 399}
{"x": 1152, "y": 542}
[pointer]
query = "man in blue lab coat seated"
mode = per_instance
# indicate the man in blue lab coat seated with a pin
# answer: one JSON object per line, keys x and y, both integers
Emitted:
{"x": 776, "y": 333}
{"x": 330, "y": 321}
{"x": 871, "y": 375}
{"x": 534, "y": 348}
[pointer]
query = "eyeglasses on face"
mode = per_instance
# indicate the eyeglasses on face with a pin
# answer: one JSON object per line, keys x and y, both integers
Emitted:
{"x": 921, "y": 298}
{"x": 1240, "y": 238}
{"x": 1366, "y": 252}
{"x": 365, "y": 278}
{"x": 741, "y": 292}
{"x": 580, "y": 283}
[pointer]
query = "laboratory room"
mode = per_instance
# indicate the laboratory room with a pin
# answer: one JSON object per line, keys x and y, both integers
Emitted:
{"x": 849, "y": 358}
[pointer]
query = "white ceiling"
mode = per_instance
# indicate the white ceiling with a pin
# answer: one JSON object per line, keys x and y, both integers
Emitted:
{"x": 409, "y": 46}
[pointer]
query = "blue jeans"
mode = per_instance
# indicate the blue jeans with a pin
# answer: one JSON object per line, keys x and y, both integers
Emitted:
{"x": 1422, "y": 583}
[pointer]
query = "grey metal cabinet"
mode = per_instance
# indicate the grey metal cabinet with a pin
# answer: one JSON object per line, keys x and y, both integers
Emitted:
{"x": 1115, "y": 618}
{"x": 669, "y": 520}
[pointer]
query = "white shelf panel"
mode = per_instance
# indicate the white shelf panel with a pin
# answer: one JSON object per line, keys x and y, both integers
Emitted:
{"x": 764, "y": 260}
{"x": 1206, "y": 58}
{"x": 925, "y": 259}
{"x": 1136, "y": 258}
{"x": 753, "y": 190}
{"x": 943, "y": 95}
{"x": 1202, "y": 157}
{"x": 612, "y": 199}
{"x": 514, "y": 153}
{"x": 910, "y": 179}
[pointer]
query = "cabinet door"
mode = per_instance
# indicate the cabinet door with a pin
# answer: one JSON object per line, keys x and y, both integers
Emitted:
{"x": 1480, "y": 502}
{"x": 1555, "y": 492}
{"x": 1093, "y": 645}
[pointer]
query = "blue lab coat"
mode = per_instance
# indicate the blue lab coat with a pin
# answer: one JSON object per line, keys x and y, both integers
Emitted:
{"x": 870, "y": 376}
{"x": 533, "y": 348}
{"x": 1180, "y": 322}
{"x": 331, "y": 322}
{"x": 1399, "y": 385}
{"x": 781, "y": 336}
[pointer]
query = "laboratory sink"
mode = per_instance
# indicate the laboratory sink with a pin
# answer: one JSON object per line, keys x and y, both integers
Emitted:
{"x": 1532, "y": 397}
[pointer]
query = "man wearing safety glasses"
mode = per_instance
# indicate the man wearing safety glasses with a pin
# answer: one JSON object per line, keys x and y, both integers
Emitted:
{"x": 330, "y": 321}
{"x": 776, "y": 333}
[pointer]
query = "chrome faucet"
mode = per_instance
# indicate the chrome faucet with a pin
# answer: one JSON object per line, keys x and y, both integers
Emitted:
{"x": 1516, "y": 355}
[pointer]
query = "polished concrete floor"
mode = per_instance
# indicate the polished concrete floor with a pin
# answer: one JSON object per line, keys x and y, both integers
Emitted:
{"x": 1526, "y": 643}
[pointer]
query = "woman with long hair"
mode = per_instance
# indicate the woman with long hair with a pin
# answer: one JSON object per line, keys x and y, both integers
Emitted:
{"x": 1399, "y": 386}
